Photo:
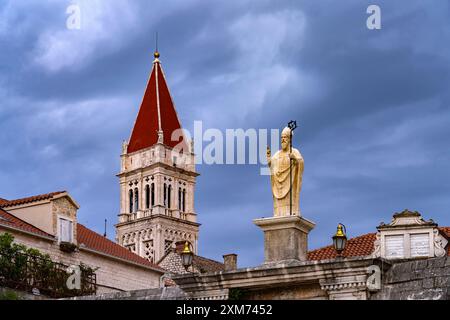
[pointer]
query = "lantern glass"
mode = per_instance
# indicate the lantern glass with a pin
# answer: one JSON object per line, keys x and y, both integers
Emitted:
{"x": 187, "y": 259}
{"x": 339, "y": 243}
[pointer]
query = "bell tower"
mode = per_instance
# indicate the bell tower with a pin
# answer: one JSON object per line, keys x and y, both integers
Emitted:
{"x": 157, "y": 177}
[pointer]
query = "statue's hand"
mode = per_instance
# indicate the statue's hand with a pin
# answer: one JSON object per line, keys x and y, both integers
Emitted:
{"x": 269, "y": 155}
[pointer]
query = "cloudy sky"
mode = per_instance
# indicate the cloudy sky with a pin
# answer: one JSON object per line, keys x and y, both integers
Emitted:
{"x": 373, "y": 105}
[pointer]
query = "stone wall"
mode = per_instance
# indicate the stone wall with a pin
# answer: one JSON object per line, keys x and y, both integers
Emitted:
{"x": 306, "y": 292}
{"x": 427, "y": 279}
{"x": 19, "y": 295}
{"x": 170, "y": 293}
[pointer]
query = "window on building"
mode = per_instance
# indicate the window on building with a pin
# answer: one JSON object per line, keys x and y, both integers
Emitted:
{"x": 147, "y": 196}
{"x": 179, "y": 199}
{"x": 169, "y": 197}
{"x": 65, "y": 230}
{"x": 153, "y": 195}
{"x": 167, "y": 246}
{"x": 131, "y": 247}
{"x": 136, "y": 200}
{"x": 184, "y": 200}
{"x": 165, "y": 195}
{"x": 131, "y": 200}
{"x": 174, "y": 161}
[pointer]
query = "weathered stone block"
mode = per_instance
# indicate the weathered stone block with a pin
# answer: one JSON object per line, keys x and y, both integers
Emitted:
{"x": 436, "y": 262}
{"x": 429, "y": 294}
{"x": 445, "y": 271}
{"x": 441, "y": 282}
{"x": 401, "y": 273}
{"x": 285, "y": 238}
{"x": 435, "y": 272}
{"x": 447, "y": 262}
{"x": 417, "y": 275}
{"x": 420, "y": 264}
{"x": 230, "y": 261}
{"x": 409, "y": 285}
{"x": 428, "y": 283}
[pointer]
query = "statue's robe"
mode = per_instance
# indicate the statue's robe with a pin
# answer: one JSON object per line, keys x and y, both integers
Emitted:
{"x": 280, "y": 179}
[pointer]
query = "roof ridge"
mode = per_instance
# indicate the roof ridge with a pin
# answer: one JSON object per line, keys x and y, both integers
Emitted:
{"x": 350, "y": 239}
{"x": 212, "y": 260}
{"x": 39, "y": 197}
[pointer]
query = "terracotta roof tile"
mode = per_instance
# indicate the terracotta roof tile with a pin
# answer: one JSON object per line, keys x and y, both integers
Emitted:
{"x": 357, "y": 247}
{"x": 97, "y": 242}
{"x": 157, "y": 112}
{"x": 7, "y": 219}
{"x": 446, "y": 230}
{"x": 9, "y": 203}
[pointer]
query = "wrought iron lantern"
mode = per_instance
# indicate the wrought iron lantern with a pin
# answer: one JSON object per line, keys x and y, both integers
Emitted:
{"x": 340, "y": 239}
{"x": 187, "y": 255}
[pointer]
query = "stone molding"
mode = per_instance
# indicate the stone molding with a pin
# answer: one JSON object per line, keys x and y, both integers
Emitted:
{"x": 346, "y": 288}
{"x": 346, "y": 277}
{"x": 277, "y": 223}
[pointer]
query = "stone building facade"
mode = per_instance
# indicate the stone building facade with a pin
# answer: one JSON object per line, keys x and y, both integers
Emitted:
{"x": 40, "y": 222}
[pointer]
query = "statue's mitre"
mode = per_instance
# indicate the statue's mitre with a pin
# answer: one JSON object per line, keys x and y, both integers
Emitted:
{"x": 286, "y": 130}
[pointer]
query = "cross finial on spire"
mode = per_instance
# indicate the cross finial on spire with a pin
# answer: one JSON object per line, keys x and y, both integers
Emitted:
{"x": 156, "y": 54}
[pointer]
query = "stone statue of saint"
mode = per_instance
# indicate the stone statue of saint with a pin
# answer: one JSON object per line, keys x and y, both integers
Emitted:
{"x": 280, "y": 176}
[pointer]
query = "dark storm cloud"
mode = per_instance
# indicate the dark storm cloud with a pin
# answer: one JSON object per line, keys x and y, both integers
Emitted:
{"x": 372, "y": 105}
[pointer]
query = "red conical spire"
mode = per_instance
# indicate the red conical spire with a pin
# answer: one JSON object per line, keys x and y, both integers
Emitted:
{"x": 157, "y": 113}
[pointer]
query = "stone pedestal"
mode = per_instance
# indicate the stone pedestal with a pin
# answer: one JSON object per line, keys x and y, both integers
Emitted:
{"x": 285, "y": 238}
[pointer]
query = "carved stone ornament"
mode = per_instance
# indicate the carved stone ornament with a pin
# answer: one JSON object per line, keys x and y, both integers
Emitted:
{"x": 406, "y": 218}
{"x": 439, "y": 244}
{"x": 124, "y": 147}
{"x": 160, "y": 137}
{"x": 354, "y": 282}
{"x": 377, "y": 246}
